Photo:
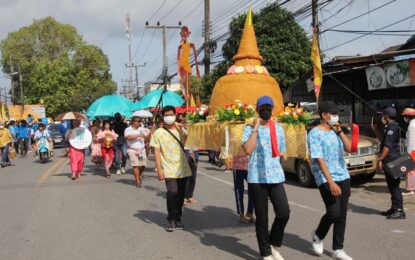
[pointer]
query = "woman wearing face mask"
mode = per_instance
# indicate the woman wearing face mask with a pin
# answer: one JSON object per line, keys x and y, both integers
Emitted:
{"x": 265, "y": 145}
{"x": 327, "y": 143}
{"x": 409, "y": 117}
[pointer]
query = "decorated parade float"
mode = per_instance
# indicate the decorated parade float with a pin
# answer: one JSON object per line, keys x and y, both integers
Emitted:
{"x": 232, "y": 106}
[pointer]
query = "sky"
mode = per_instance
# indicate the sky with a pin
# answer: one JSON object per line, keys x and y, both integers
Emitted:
{"x": 102, "y": 23}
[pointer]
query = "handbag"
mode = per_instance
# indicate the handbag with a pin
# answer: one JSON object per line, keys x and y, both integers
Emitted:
{"x": 190, "y": 160}
{"x": 400, "y": 166}
{"x": 12, "y": 153}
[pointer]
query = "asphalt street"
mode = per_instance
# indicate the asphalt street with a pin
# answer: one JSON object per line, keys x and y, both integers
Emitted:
{"x": 45, "y": 215}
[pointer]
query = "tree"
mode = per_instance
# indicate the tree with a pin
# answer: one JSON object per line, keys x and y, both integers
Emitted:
{"x": 57, "y": 65}
{"x": 281, "y": 41}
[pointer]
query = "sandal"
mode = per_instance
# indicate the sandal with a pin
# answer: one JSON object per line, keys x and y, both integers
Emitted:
{"x": 251, "y": 217}
{"x": 243, "y": 219}
{"x": 191, "y": 201}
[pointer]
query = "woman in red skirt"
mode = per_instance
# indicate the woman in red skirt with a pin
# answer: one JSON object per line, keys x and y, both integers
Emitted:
{"x": 107, "y": 137}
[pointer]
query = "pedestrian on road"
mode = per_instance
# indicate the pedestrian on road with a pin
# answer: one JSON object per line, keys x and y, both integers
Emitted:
{"x": 135, "y": 136}
{"x": 6, "y": 140}
{"x": 264, "y": 142}
{"x": 120, "y": 146}
{"x": 64, "y": 127}
{"x": 96, "y": 145}
{"x": 107, "y": 137}
{"x": 409, "y": 117}
{"x": 327, "y": 144}
{"x": 172, "y": 165}
{"x": 240, "y": 174}
{"x": 389, "y": 151}
{"x": 192, "y": 156}
{"x": 76, "y": 156}
{"x": 13, "y": 130}
{"x": 23, "y": 135}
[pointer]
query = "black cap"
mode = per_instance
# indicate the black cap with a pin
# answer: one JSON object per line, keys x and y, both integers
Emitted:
{"x": 389, "y": 111}
{"x": 328, "y": 107}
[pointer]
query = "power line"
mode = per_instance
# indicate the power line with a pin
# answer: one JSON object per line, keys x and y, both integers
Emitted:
{"x": 356, "y": 17}
{"x": 148, "y": 45}
{"x": 158, "y": 9}
{"x": 171, "y": 10}
{"x": 191, "y": 11}
{"x": 354, "y": 39}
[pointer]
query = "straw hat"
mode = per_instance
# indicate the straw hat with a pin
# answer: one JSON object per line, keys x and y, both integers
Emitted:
{"x": 408, "y": 112}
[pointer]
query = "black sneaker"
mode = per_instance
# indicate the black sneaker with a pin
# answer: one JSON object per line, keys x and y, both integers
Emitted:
{"x": 3, "y": 165}
{"x": 170, "y": 226}
{"x": 388, "y": 212}
{"x": 398, "y": 214}
{"x": 178, "y": 225}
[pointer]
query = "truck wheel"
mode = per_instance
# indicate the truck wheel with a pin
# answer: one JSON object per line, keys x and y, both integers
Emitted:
{"x": 304, "y": 175}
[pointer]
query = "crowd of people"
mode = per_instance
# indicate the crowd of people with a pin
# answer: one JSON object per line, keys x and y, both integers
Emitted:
{"x": 118, "y": 140}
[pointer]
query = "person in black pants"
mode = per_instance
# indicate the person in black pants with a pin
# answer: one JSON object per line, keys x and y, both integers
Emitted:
{"x": 191, "y": 183}
{"x": 390, "y": 151}
{"x": 264, "y": 142}
{"x": 327, "y": 143}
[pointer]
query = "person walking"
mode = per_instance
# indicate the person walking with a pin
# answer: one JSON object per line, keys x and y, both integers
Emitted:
{"x": 172, "y": 165}
{"x": 135, "y": 136}
{"x": 96, "y": 145}
{"x": 192, "y": 156}
{"x": 264, "y": 142}
{"x": 120, "y": 146}
{"x": 389, "y": 151}
{"x": 240, "y": 174}
{"x": 107, "y": 137}
{"x": 23, "y": 136}
{"x": 327, "y": 143}
{"x": 409, "y": 117}
{"x": 76, "y": 156}
{"x": 6, "y": 139}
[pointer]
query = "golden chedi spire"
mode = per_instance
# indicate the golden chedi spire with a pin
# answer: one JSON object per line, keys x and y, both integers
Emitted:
{"x": 247, "y": 79}
{"x": 248, "y": 52}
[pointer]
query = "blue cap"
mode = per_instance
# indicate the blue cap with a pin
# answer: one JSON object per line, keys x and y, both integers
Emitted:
{"x": 389, "y": 111}
{"x": 264, "y": 100}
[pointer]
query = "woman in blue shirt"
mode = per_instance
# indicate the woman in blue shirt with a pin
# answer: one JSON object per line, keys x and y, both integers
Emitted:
{"x": 266, "y": 177}
{"x": 327, "y": 144}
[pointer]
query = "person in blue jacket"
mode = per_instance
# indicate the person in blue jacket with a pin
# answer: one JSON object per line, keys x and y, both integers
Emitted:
{"x": 23, "y": 135}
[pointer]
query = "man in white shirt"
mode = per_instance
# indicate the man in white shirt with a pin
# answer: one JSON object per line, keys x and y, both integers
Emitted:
{"x": 136, "y": 135}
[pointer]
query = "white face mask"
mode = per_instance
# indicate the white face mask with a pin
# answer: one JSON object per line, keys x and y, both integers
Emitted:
{"x": 334, "y": 120}
{"x": 169, "y": 119}
{"x": 406, "y": 119}
{"x": 1, "y": 126}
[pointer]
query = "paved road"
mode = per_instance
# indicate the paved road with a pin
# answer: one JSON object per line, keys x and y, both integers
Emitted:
{"x": 45, "y": 215}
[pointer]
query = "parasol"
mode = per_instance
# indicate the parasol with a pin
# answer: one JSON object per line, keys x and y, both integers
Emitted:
{"x": 143, "y": 113}
{"x": 70, "y": 116}
{"x": 108, "y": 106}
{"x": 160, "y": 98}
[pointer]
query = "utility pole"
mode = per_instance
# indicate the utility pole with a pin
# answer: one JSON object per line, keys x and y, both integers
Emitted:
{"x": 207, "y": 43}
{"x": 131, "y": 66}
{"x": 12, "y": 72}
{"x": 314, "y": 12}
{"x": 21, "y": 88}
{"x": 164, "y": 28}
{"x": 129, "y": 38}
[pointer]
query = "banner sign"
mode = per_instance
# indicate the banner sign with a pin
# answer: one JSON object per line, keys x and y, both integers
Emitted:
{"x": 393, "y": 75}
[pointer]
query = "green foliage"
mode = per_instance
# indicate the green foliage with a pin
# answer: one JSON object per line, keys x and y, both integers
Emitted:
{"x": 282, "y": 43}
{"x": 57, "y": 66}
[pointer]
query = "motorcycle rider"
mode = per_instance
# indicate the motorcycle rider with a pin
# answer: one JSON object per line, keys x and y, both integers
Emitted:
{"x": 42, "y": 132}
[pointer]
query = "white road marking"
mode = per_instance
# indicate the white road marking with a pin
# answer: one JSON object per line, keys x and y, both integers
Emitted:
{"x": 231, "y": 184}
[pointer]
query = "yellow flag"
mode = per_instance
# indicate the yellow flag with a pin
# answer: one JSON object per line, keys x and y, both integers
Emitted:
{"x": 315, "y": 57}
{"x": 3, "y": 111}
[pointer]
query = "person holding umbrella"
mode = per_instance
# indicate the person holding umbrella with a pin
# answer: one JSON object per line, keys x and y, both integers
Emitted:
{"x": 76, "y": 156}
{"x": 107, "y": 136}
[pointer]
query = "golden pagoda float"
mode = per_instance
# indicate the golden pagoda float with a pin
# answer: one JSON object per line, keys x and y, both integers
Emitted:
{"x": 245, "y": 82}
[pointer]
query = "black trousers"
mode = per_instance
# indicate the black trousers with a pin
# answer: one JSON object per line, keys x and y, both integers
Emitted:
{"x": 336, "y": 213}
{"x": 394, "y": 190}
{"x": 191, "y": 183}
{"x": 176, "y": 189}
{"x": 276, "y": 193}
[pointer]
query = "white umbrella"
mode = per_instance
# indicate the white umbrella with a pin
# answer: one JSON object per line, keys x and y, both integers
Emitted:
{"x": 143, "y": 113}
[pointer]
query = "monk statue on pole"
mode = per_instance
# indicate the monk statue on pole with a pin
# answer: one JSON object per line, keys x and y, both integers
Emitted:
{"x": 183, "y": 61}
